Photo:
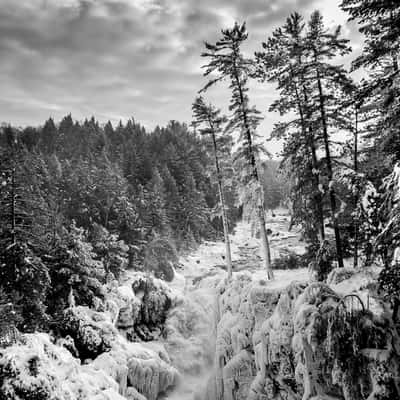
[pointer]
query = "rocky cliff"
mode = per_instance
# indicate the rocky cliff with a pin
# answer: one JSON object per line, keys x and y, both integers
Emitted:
{"x": 292, "y": 341}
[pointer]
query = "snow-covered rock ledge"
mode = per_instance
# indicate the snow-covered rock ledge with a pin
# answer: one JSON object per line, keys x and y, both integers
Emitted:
{"x": 36, "y": 368}
{"x": 287, "y": 340}
{"x": 92, "y": 357}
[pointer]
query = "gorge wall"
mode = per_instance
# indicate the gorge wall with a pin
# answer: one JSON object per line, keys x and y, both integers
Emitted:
{"x": 291, "y": 341}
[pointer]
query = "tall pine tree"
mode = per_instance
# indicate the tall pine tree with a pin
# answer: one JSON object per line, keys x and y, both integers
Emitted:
{"x": 226, "y": 61}
{"x": 210, "y": 123}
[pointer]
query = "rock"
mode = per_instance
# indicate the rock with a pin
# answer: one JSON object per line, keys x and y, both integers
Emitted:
{"x": 155, "y": 302}
{"x": 296, "y": 341}
{"x": 133, "y": 394}
{"x": 151, "y": 377}
{"x": 338, "y": 275}
{"x": 92, "y": 332}
{"x": 138, "y": 308}
{"x": 37, "y": 369}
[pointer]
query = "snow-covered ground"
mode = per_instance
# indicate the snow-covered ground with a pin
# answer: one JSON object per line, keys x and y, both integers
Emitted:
{"x": 208, "y": 259}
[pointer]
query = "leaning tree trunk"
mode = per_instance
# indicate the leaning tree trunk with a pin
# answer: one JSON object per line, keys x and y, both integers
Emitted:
{"x": 332, "y": 196}
{"x": 228, "y": 255}
{"x": 265, "y": 244}
{"x": 226, "y": 233}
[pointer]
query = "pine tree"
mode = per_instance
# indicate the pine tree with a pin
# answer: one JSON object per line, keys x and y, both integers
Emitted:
{"x": 379, "y": 21}
{"x": 283, "y": 60}
{"x": 387, "y": 242}
{"x": 210, "y": 123}
{"x": 228, "y": 62}
{"x": 330, "y": 84}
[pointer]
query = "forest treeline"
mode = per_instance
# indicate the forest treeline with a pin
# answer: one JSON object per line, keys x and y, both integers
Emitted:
{"x": 81, "y": 201}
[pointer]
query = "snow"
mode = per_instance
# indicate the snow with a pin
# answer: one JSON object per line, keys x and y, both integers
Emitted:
{"x": 396, "y": 180}
{"x": 368, "y": 199}
{"x": 58, "y": 372}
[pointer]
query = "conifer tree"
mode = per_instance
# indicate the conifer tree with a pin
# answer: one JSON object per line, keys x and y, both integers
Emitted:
{"x": 226, "y": 61}
{"x": 210, "y": 123}
{"x": 155, "y": 218}
{"x": 171, "y": 197}
{"x": 48, "y": 136}
{"x": 387, "y": 242}
{"x": 23, "y": 274}
{"x": 330, "y": 85}
{"x": 379, "y": 21}
{"x": 283, "y": 60}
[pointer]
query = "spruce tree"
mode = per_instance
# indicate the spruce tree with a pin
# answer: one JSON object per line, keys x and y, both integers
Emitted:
{"x": 154, "y": 211}
{"x": 209, "y": 121}
{"x": 226, "y": 61}
{"x": 48, "y": 136}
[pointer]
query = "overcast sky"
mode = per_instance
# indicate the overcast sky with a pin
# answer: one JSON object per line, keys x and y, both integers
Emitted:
{"x": 117, "y": 59}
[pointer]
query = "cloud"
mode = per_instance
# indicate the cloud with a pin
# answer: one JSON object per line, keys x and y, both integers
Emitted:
{"x": 115, "y": 58}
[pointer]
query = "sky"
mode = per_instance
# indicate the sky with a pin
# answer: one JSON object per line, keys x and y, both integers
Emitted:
{"x": 118, "y": 59}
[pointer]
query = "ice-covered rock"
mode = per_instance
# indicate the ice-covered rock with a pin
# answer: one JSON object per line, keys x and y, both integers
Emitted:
{"x": 138, "y": 308}
{"x": 298, "y": 340}
{"x": 37, "y": 369}
{"x": 92, "y": 331}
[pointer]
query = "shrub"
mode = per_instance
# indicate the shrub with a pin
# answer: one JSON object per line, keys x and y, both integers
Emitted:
{"x": 289, "y": 260}
{"x": 320, "y": 259}
{"x": 160, "y": 257}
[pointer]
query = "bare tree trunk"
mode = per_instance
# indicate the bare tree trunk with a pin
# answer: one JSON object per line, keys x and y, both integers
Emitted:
{"x": 226, "y": 234}
{"x": 222, "y": 200}
{"x": 13, "y": 205}
{"x": 318, "y": 197}
{"x": 265, "y": 245}
{"x": 332, "y": 196}
{"x": 355, "y": 255}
